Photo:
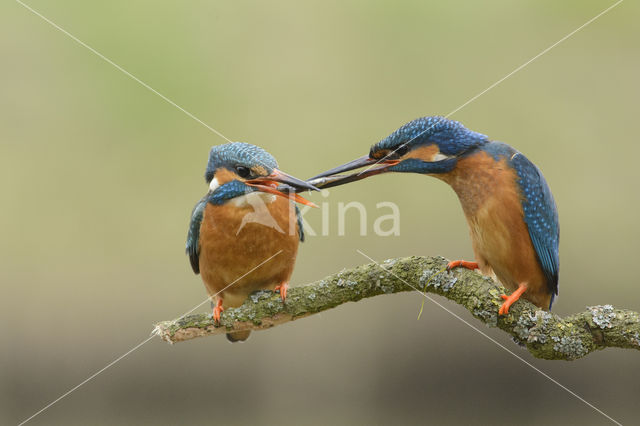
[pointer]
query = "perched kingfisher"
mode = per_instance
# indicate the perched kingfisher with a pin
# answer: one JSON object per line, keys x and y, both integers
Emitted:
{"x": 244, "y": 232}
{"x": 512, "y": 216}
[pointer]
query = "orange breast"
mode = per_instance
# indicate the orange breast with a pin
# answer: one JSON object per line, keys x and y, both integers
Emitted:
{"x": 235, "y": 242}
{"x": 491, "y": 200}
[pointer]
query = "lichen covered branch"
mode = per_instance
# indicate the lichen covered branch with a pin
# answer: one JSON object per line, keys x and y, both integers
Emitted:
{"x": 545, "y": 334}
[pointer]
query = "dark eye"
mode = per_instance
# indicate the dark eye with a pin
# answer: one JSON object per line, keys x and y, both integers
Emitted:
{"x": 401, "y": 150}
{"x": 243, "y": 172}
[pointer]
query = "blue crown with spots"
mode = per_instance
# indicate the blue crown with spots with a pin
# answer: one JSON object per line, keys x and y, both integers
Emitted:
{"x": 450, "y": 136}
{"x": 234, "y": 154}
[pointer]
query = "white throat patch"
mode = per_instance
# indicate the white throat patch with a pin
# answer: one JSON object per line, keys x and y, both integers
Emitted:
{"x": 214, "y": 184}
{"x": 440, "y": 156}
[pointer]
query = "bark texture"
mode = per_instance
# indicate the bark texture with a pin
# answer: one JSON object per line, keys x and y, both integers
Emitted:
{"x": 545, "y": 334}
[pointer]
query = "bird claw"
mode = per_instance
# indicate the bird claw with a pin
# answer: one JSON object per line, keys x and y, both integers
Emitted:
{"x": 282, "y": 288}
{"x": 511, "y": 299}
{"x": 217, "y": 311}
{"x": 504, "y": 308}
{"x": 462, "y": 263}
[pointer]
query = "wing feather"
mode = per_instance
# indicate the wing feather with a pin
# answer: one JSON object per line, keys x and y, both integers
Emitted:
{"x": 541, "y": 217}
{"x": 300, "y": 227}
{"x": 193, "y": 236}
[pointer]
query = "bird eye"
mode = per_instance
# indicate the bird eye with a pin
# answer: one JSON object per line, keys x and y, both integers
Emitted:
{"x": 243, "y": 172}
{"x": 402, "y": 150}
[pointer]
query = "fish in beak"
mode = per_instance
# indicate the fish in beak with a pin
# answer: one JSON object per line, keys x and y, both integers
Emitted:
{"x": 331, "y": 177}
{"x": 283, "y": 185}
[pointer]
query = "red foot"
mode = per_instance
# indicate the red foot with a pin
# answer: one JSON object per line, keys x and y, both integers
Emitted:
{"x": 282, "y": 288}
{"x": 509, "y": 300}
{"x": 462, "y": 263}
{"x": 217, "y": 311}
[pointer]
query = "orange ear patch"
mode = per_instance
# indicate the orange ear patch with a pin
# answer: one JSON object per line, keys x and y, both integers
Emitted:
{"x": 259, "y": 171}
{"x": 223, "y": 176}
{"x": 424, "y": 153}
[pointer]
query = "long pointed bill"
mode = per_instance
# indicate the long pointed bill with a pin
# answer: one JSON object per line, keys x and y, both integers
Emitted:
{"x": 331, "y": 177}
{"x": 292, "y": 185}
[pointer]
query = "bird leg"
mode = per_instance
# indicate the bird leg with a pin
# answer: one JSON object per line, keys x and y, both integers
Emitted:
{"x": 462, "y": 263}
{"x": 509, "y": 300}
{"x": 282, "y": 288}
{"x": 218, "y": 310}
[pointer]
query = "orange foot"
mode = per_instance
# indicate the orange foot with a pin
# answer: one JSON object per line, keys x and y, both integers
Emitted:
{"x": 509, "y": 300}
{"x": 217, "y": 311}
{"x": 463, "y": 263}
{"x": 282, "y": 288}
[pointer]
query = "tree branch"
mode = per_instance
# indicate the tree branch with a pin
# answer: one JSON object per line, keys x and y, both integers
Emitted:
{"x": 545, "y": 334}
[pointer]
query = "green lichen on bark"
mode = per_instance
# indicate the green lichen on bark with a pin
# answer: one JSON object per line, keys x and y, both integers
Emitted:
{"x": 543, "y": 333}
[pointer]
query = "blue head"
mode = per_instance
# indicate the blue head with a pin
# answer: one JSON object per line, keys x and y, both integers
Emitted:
{"x": 241, "y": 158}
{"x": 448, "y": 137}
{"x": 428, "y": 145}
{"x": 237, "y": 168}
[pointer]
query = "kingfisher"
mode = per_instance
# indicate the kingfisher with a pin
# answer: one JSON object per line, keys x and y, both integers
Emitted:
{"x": 511, "y": 213}
{"x": 244, "y": 233}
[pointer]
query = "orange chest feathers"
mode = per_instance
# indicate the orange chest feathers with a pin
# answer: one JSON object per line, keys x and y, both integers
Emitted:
{"x": 492, "y": 202}
{"x": 252, "y": 241}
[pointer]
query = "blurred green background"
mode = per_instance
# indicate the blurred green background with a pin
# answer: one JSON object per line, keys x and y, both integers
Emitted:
{"x": 98, "y": 176}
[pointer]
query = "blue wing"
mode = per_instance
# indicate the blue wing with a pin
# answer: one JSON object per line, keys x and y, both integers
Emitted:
{"x": 300, "y": 227}
{"x": 541, "y": 216}
{"x": 193, "y": 236}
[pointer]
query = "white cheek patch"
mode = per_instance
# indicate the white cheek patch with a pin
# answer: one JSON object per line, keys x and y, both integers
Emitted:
{"x": 440, "y": 156}
{"x": 214, "y": 184}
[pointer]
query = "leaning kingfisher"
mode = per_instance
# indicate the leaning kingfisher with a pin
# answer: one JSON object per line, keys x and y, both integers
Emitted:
{"x": 244, "y": 232}
{"x": 512, "y": 216}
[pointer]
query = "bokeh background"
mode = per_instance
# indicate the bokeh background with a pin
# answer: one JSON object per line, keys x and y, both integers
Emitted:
{"x": 98, "y": 176}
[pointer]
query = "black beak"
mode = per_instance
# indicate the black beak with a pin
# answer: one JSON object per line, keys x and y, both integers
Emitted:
{"x": 298, "y": 184}
{"x": 291, "y": 186}
{"x": 331, "y": 178}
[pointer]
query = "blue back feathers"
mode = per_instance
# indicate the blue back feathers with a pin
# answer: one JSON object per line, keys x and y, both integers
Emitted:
{"x": 451, "y": 136}
{"x": 539, "y": 208}
{"x": 541, "y": 216}
{"x": 235, "y": 154}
